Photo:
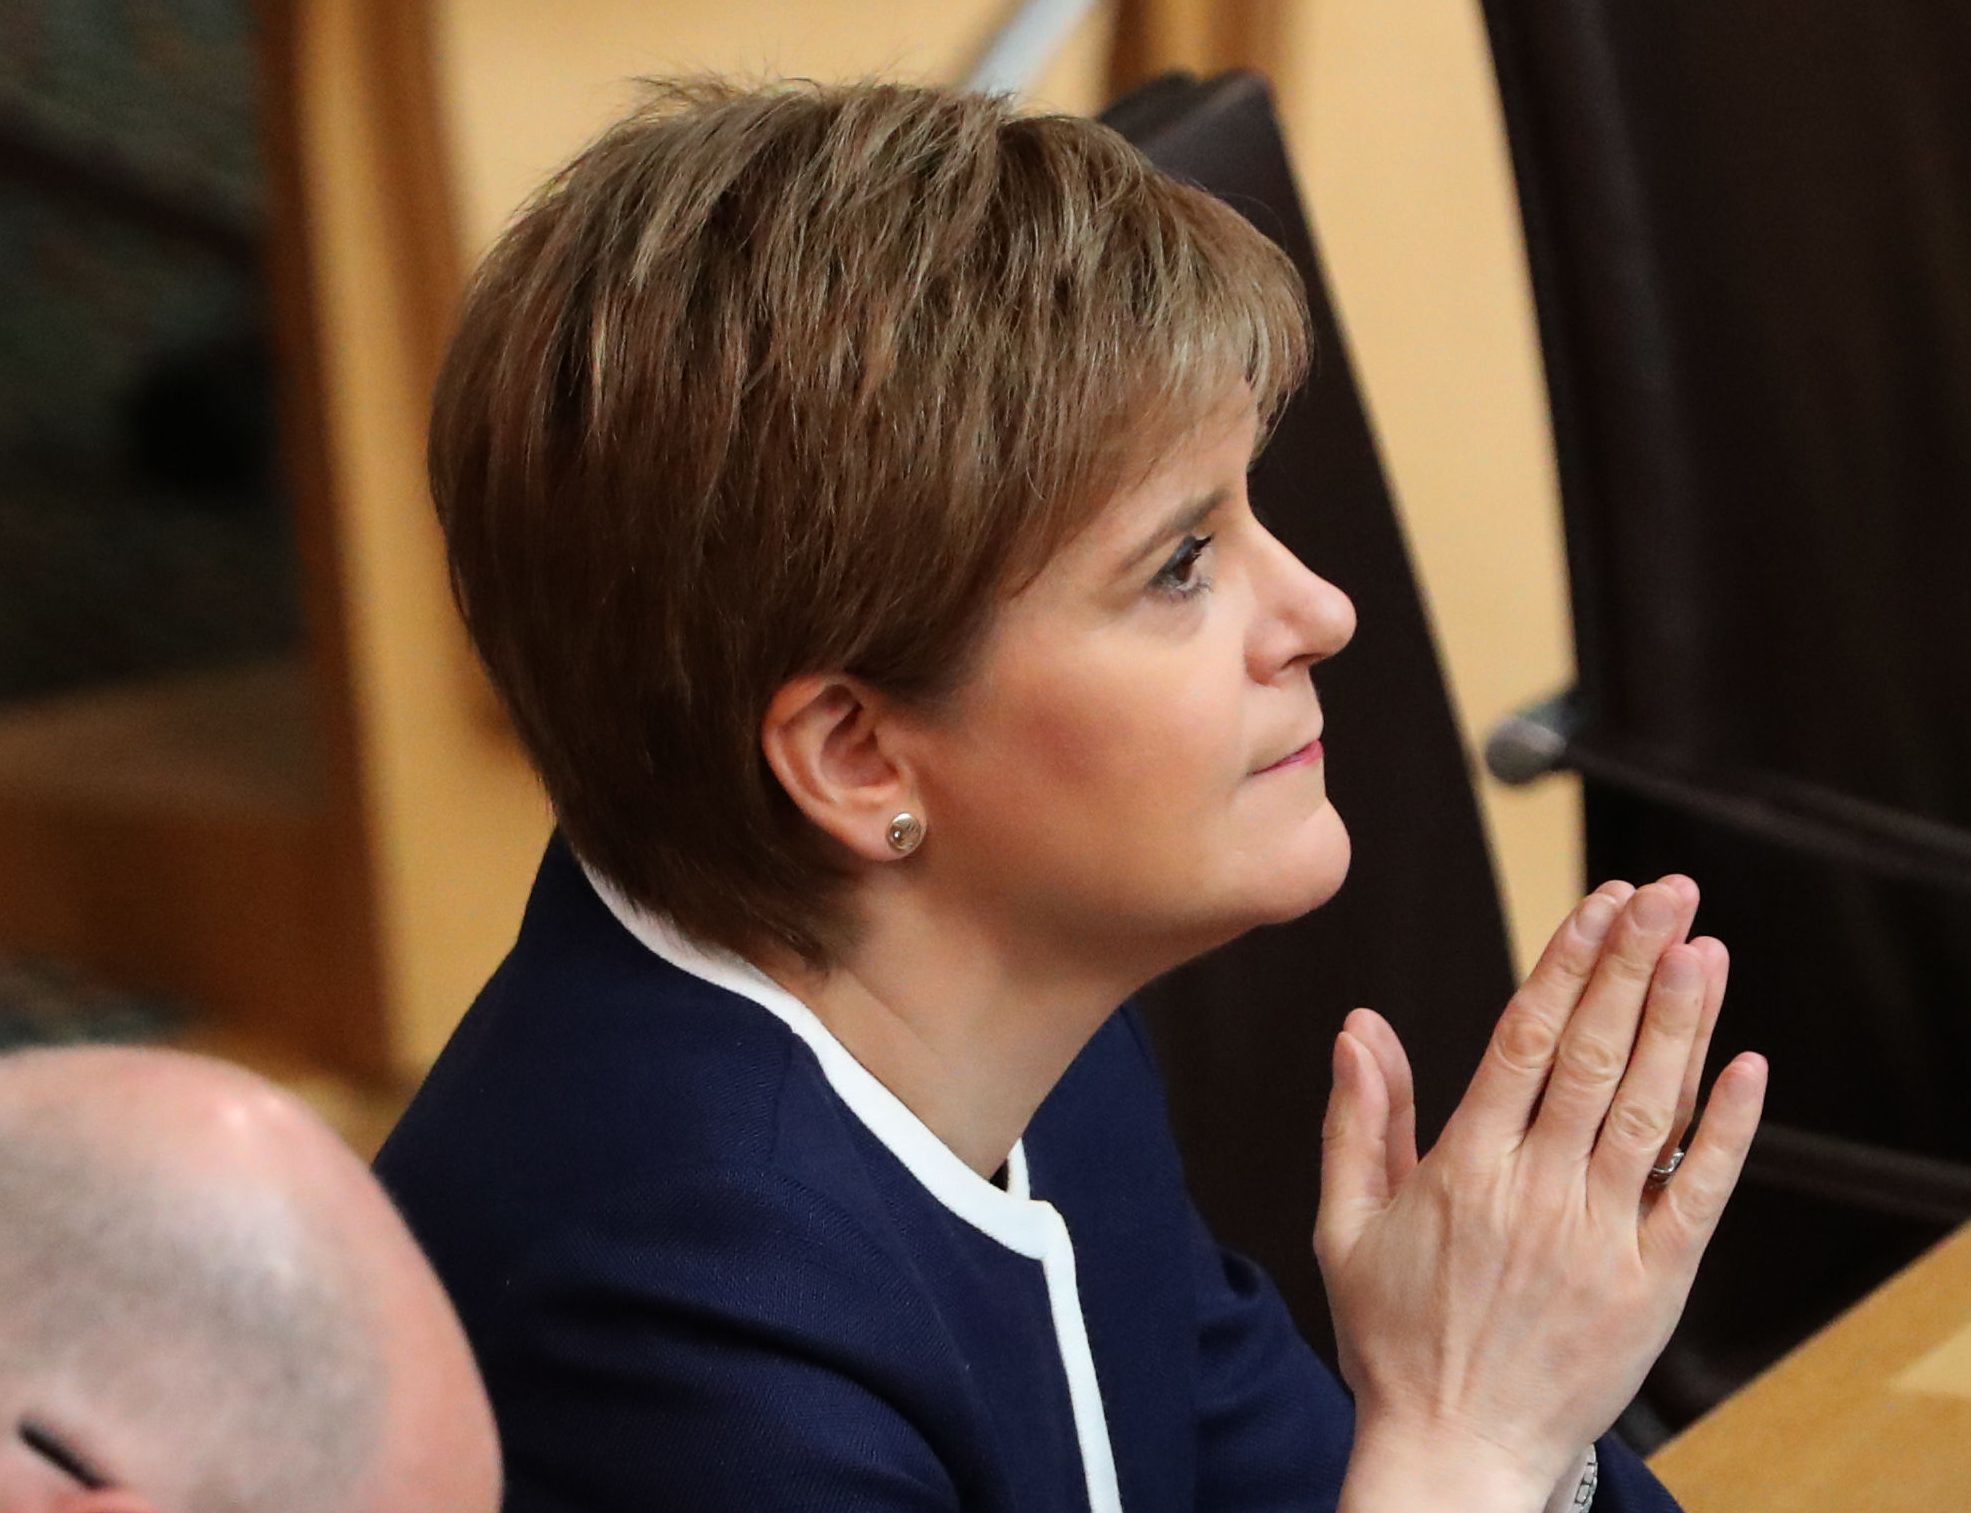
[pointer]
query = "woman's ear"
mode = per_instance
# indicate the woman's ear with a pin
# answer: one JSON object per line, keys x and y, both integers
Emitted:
{"x": 825, "y": 736}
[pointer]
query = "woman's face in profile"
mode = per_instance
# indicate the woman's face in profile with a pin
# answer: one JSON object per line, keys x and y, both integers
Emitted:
{"x": 1130, "y": 762}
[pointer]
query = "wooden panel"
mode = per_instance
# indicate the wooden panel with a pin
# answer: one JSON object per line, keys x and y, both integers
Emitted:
{"x": 170, "y": 836}
{"x": 445, "y": 819}
{"x": 1874, "y": 1412}
{"x": 522, "y": 85}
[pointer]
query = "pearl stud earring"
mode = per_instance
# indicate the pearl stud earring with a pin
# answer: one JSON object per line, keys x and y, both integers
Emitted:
{"x": 906, "y": 833}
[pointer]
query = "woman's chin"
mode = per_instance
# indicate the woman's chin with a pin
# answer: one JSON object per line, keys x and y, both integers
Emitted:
{"x": 1284, "y": 882}
{"x": 1312, "y": 872}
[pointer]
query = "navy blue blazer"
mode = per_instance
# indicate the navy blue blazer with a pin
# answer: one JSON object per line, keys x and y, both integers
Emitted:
{"x": 709, "y": 1264}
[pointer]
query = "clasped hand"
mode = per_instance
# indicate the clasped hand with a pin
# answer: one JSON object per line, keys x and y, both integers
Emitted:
{"x": 1498, "y": 1303}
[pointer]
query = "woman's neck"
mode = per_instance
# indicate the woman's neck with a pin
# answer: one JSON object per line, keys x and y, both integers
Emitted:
{"x": 970, "y": 1029}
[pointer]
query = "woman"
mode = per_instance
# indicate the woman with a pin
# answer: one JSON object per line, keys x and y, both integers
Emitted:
{"x": 846, "y": 490}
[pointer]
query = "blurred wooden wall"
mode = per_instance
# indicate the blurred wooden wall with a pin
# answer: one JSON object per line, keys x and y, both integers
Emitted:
{"x": 1197, "y": 36}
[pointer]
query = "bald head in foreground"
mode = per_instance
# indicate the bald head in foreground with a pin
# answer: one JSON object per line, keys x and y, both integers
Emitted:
{"x": 207, "y": 1305}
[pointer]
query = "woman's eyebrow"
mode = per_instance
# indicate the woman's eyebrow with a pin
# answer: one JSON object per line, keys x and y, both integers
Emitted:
{"x": 1187, "y": 517}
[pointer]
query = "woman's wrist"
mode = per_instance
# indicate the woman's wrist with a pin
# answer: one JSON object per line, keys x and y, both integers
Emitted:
{"x": 1403, "y": 1469}
{"x": 1575, "y": 1491}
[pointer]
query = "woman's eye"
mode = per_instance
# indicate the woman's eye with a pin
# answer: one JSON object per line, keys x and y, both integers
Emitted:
{"x": 1179, "y": 578}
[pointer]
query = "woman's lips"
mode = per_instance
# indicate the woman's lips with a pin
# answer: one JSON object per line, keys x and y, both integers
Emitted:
{"x": 1311, "y": 752}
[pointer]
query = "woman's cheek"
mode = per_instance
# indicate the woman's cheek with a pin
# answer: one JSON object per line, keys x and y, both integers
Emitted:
{"x": 1078, "y": 731}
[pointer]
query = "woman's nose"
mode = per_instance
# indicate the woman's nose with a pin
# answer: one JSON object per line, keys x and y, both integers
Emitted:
{"x": 1307, "y": 620}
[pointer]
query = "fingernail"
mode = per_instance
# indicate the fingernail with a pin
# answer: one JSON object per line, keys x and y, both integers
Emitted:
{"x": 1681, "y": 974}
{"x": 1595, "y": 915}
{"x": 1341, "y": 1056}
{"x": 1652, "y": 909}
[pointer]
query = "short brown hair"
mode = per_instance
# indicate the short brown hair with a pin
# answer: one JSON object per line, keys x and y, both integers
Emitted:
{"x": 797, "y": 379}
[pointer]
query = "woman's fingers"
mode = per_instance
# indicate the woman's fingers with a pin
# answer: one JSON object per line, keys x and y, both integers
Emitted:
{"x": 1717, "y": 972}
{"x": 1643, "y": 1115}
{"x": 1686, "y": 1212}
{"x": 1379, "y": 1038}
{"x": 1500, "y": 1100}
{"x": 1594, "y": 1050}
{"x": 1354, "y": 1140}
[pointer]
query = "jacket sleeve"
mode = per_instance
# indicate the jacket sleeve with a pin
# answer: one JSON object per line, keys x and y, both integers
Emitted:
{"x": 749, "y": 1375}
{"x": 1627, "y": 1485}
{"x": 1274, "y": 1425}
